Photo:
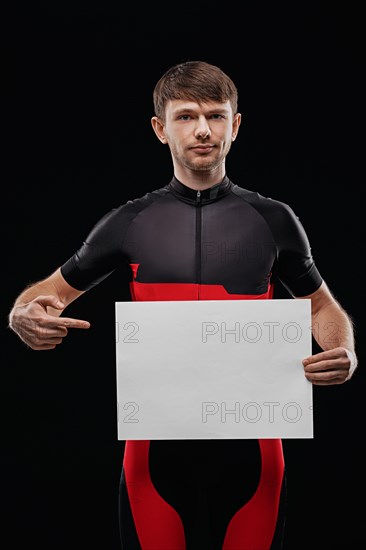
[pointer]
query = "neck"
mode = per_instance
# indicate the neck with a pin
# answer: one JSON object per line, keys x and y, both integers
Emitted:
{"x": 199, "y": 180}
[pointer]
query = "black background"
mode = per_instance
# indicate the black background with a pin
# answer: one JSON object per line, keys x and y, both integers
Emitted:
{"x": 77, "y": 98}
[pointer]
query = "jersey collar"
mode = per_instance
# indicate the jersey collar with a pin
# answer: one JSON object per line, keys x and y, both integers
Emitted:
{"x": 186, "y": 194}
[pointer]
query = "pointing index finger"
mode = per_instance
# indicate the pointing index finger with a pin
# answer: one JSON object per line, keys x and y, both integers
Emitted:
{"x": 69, "y": 322}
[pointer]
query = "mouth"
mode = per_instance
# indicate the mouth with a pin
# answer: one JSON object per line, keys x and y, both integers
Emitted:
{"x": 203, "y": 149}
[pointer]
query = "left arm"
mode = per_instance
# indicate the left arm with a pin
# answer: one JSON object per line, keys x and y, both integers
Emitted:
{"x": 332, "y": 327}
{"x": 333, "y": 330}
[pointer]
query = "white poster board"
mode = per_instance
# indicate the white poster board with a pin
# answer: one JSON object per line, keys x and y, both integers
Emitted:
{"x": 213, "y": 369}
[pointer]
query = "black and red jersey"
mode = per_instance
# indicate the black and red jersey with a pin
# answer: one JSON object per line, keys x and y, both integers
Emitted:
{"x": 223, "y": 243}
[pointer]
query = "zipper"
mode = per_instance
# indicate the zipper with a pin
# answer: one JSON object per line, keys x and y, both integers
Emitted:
{"x": 198, "y": 240}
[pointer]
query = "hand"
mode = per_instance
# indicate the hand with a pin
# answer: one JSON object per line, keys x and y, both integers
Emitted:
{"x": 332, "y": 366}
{"x": 38, "y": 329}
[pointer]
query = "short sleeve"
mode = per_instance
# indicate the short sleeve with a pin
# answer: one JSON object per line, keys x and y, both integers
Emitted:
{"x": 100, "y": 253}
{"x": 295, "y": 263}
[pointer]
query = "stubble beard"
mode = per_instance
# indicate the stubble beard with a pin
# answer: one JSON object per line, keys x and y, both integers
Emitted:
{"x": 203, "y": 164}
{"x": 206, "y": 166}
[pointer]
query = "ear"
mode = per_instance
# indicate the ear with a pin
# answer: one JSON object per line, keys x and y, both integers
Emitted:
{"x": 236, "y": 124}
{"x": 159, "y": 129}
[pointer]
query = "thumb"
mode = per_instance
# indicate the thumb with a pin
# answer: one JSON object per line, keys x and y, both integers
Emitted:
{"x": 50, "y": 300}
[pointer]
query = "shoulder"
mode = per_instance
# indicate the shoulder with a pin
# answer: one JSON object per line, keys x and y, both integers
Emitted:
{"x": 145, "y": 200}
{"x": 119, "y": 217}
{"x": 273, "y": 210}
{"x": 140, "y": 202}
{"x": 135, "y": 205}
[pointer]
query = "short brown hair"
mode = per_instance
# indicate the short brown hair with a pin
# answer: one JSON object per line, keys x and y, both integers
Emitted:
{"x": 197, "y": 81}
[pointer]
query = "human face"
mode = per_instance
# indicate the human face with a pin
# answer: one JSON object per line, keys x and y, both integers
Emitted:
{"x": 199, "y": 135}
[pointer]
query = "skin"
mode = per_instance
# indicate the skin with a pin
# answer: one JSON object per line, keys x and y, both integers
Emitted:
{"x": 199, "y": 137}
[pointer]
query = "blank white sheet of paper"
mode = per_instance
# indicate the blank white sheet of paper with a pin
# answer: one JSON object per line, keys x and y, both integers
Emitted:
{"x": 213, "y": 369}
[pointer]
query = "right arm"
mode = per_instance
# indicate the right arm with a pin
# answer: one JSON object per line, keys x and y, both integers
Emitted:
{"x": 35, "y": 315}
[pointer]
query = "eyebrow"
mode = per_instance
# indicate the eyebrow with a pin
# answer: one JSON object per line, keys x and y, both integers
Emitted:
{"x": 219, "y": 110}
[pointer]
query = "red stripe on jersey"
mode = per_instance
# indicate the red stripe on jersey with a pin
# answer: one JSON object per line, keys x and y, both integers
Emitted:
{"x": 148, "y": 292}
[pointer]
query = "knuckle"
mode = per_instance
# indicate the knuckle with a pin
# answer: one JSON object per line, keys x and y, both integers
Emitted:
{"x": 40, "y": 333}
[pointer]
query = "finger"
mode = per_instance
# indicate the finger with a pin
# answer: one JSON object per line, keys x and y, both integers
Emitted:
{"x": 51, "y": 341}
{"x": 329, "y": 382}
{"x": 43, "y": 332}
{"x": 327, "y": 365}
{"x": 40, "y": 326}
{"x": 46, "y": 332}
{"x": 42, "y": 347}
{"x": 325, "y": 376}
{"x": 324, "y": 355}
{"x": 54, "y": 322}
{"x": 43, "y": 341}
{"x": 49, "y": 301}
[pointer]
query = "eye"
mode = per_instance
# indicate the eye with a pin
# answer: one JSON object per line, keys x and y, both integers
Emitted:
{"x": 184, "y": 117}
{"x": 217, "y": 116}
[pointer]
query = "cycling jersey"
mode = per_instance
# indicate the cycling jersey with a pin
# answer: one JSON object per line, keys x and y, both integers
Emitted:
{"x": 222, "y": 243}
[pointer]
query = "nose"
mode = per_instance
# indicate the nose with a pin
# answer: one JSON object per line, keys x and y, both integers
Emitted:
{"x": 202, "y": 129}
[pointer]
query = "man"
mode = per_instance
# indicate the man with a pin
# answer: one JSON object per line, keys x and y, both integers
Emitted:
{"x": 199, "y": 237}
